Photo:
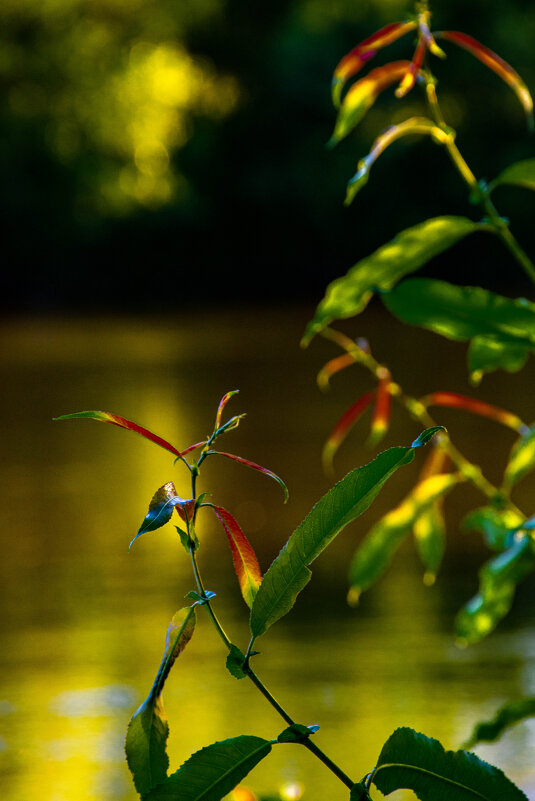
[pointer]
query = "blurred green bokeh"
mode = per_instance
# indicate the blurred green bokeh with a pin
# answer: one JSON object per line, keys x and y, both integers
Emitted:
{"x": 165, "y": 142}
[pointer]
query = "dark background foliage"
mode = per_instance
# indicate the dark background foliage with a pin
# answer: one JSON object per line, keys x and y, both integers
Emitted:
{"x": 259, "y": 215}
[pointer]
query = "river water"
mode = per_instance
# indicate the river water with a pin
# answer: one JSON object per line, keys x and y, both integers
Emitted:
{"x": 84, "y": 620}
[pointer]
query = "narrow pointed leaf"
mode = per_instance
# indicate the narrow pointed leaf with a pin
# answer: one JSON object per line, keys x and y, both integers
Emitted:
{"x": 497, "y": 525}
{"x": 362, "y": 95}
{"x": 348, "y": 499}
{"x": 498, "y": 580}
{"x": 148, "y": 729}
{"x": 375, "y": 552}
{"x": 521, "y": 460}
{"x": 254, "y": 466}
{"x": 114, "y": 419}
{"x": 222, "y": 403}
{"x": 409, "y": 127}
{"x": 454, "y": 400}
{"x": 212, "y": 772}
{"x": 161, "y": 508}
{"x": 409, "y": 79}
{"x": 406, "y": 253}
{"x": 495, "y": 63}
{"x": 244, "y": 558}
{"x": 381, "y": 410}
{"x": 508, "y": 715}
{"x": 332, "y": 367}
{"x": 522, "y": 173}
{"x": 461, "y": 313}
{"x": 343, "y": 426}
{"x": 412, "y": 761}
{"x": 363, "y": 52}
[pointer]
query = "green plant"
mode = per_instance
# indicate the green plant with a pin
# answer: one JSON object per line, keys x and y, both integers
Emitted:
{"x": 501, "y": 333}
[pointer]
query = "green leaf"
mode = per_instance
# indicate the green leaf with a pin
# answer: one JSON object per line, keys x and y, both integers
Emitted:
{"x": 429, "y": 532}
{"x": 375, "y": 552}
{"x": 296, "y": 733}
{"x": 412, "y": 761}
{"x": 522, "y": 173}
{"x": 148, "y": 729}
{"x": 496, "y": 525}
{"x": 406, "y": 253}
{"x": 521, "y": 460}
{"x": 498, "y": 579}
{"x": 507, "y": 715}
{"x": 462, "y": 313}
{"x": 485, "y": 355}
{"x": 235, "y": 661}
{"x": 348, "y": 499}
{"x": 214, "y": 771}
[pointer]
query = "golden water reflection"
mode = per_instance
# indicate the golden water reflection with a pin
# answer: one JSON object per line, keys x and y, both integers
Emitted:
{"x": 84, "y": 621}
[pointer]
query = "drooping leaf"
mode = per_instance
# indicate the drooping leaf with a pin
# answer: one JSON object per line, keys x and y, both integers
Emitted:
{"x": 148, "y": 729}
{"x": 343, "y": 426}
{"x": 244, "y": 558}
{"x": 521, "y": 460}
{"x": 375, "y": 552}
{"x": 496, "y": 525}
{"x": 407, "y": 252}
{"x": 235, "y": 662}
{"x": 454, "y": 400}
{"x": 495, "y": 63}
{"x": 332, "y": 367}
{"x": 114, "y": 419}
{"x": 164, "y": 500}
{"x": 348, "y": 499}
{"x": 522, "y": 173}
{"x": 410, "y": 127}
{"x": 254, "y": 466}
{"x": 409, "y": 79}
{"x": 412, "y": 761}
{"x": 212, "y": 772}
{"x": 506, "y": 716}
{"x": 498, "y": 580}
{"x": 363, "y": 52}
{"x": 362, "y": 95}
{"x": 486, "y": 354}
{"x": 382, "y": 409}
{"x": 462, "y": 313}
{"x": 429, "y": 531}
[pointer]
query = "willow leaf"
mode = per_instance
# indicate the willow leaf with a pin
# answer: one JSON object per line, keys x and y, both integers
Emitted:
{"x": 464, "y": 313}
{"x": 406, "y": 253}
{"x": 486, "y": 354}
{"x": 212, "y": 772}
{"x": 412, "y": 761}
{"x": 521, "y": 460}
{"x": 506, "y": 716}
{"x": 348, "y": 499}
{"x": 148, "y": 729}
{"x": 498, "y": 580}
{"x": 522, "y": 173}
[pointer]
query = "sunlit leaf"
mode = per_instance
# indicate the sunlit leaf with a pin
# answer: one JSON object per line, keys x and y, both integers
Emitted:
{"x": 220, "y": 409}
{"x": 362, "y": 95}
{"x": 343, "y": 426}
{"x": 375, "y": 552}
{"x": 409, "y": 79}
{"x": 506, "y": 716}
{"x": 498, "y": 580}
{"x": 244, "y": 558}
{"x": 486, "y": 354}
{"x": 412, "y": 761}
{"x": 454, "y": 400}
{"x": 148, "y": 729}
{"x": 161, "y": 508}
{"x": 363, "y": 52}
{"x": 410, "y": 127}
{"x": 348, "y": 499}
{"x": 381, "y": 410}
{"x": 521, "y": 460}
{"x": 522, "y": 173}
{"x": 495, "y": 63}
{"x": 254, "y": 466}
{"x": 462, "y": 313}
{"x": 496, "y": 525}
{"x": 429, "y": 531}
{"x": 406, "y": 253}
{"x": 114, "y": 419}
{"x": 212, "y": 772}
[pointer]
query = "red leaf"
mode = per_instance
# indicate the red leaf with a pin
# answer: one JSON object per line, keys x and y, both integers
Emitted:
{"x": 334, "y": 366}
{"x": 222, "y": 403}
{"x": 382, "y": 409}
{"x": 456, "y": 401}
{"x": 244, "y": 558}
{"x": 342, "y": 427}
{"x": 254, "y": 466}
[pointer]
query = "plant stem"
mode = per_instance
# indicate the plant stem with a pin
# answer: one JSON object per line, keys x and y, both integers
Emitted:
{"x": 312, "y": 747}
{"x": 479, "y": 191}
